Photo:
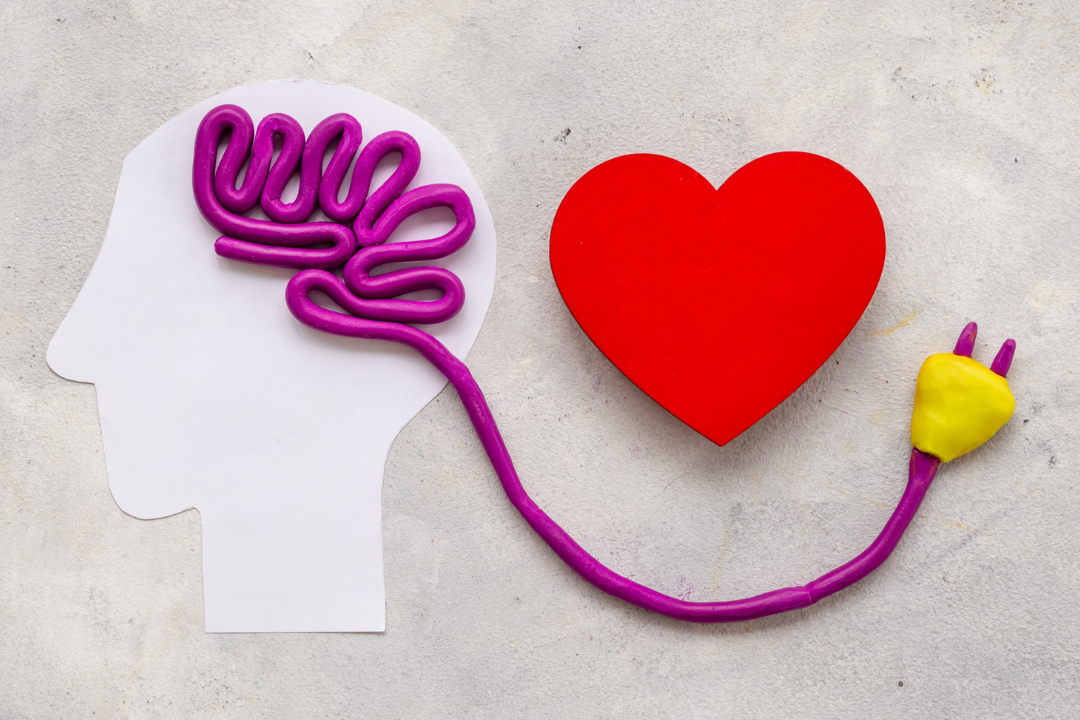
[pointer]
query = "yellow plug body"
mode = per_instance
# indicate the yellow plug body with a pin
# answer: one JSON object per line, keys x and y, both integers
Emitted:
{"x": 959, "y": 405}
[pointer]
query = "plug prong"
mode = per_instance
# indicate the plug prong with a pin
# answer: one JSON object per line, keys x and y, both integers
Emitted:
{"x": 966, "y": 343}
{"x": 1004, "y": 358}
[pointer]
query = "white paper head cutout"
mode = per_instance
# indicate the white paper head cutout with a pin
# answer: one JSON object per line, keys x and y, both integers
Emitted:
{"x": 213, "y": 396}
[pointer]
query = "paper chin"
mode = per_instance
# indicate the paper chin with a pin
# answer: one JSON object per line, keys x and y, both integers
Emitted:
{"x": 213, "y": 396}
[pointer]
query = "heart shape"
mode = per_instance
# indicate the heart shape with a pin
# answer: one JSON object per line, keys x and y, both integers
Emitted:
{"x": 718, "y": 303}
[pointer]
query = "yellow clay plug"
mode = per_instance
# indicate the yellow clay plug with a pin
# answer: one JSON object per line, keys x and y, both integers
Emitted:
{"x": 959, "y": 403}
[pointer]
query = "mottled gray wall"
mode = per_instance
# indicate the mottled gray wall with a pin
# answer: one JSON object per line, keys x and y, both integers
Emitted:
{"x": 961, "y": 119}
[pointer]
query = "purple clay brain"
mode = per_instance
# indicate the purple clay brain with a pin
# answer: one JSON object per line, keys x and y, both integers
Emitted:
{"x": 360, "y": 226}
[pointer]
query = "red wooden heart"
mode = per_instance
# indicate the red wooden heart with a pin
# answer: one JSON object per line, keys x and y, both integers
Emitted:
{"x": 718, "y": 303}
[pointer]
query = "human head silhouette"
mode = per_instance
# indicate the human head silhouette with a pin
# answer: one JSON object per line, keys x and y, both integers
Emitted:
{"x": 213, "y": 396}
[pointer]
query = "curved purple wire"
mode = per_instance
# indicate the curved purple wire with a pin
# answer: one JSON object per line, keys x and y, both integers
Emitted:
{"x": 922, "y": 468}
{"x": 375, "y": 313}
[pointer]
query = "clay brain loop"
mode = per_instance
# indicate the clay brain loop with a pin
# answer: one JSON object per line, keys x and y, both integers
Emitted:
{"x": 360, "y": 224}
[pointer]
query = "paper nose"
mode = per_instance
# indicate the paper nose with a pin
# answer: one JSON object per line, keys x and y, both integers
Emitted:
{"x": 68, "y": 350}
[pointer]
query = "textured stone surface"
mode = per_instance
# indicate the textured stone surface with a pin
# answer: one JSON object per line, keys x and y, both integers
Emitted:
{"x": 962, "y": 121}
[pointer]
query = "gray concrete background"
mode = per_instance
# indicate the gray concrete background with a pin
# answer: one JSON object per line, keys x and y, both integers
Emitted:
{"x": 961, "y": 119}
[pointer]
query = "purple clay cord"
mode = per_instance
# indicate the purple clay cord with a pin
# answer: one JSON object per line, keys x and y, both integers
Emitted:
{"x": 375, "y": 313}
{"x": 922, "y": 468}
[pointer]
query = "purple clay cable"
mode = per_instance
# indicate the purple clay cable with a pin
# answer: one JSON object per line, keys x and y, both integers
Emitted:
{"x": 376, "y": 313}
{"x": 922, "y": 468}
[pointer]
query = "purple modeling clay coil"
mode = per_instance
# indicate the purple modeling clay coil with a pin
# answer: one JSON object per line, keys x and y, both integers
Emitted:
{"x": 356, "y": 239}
